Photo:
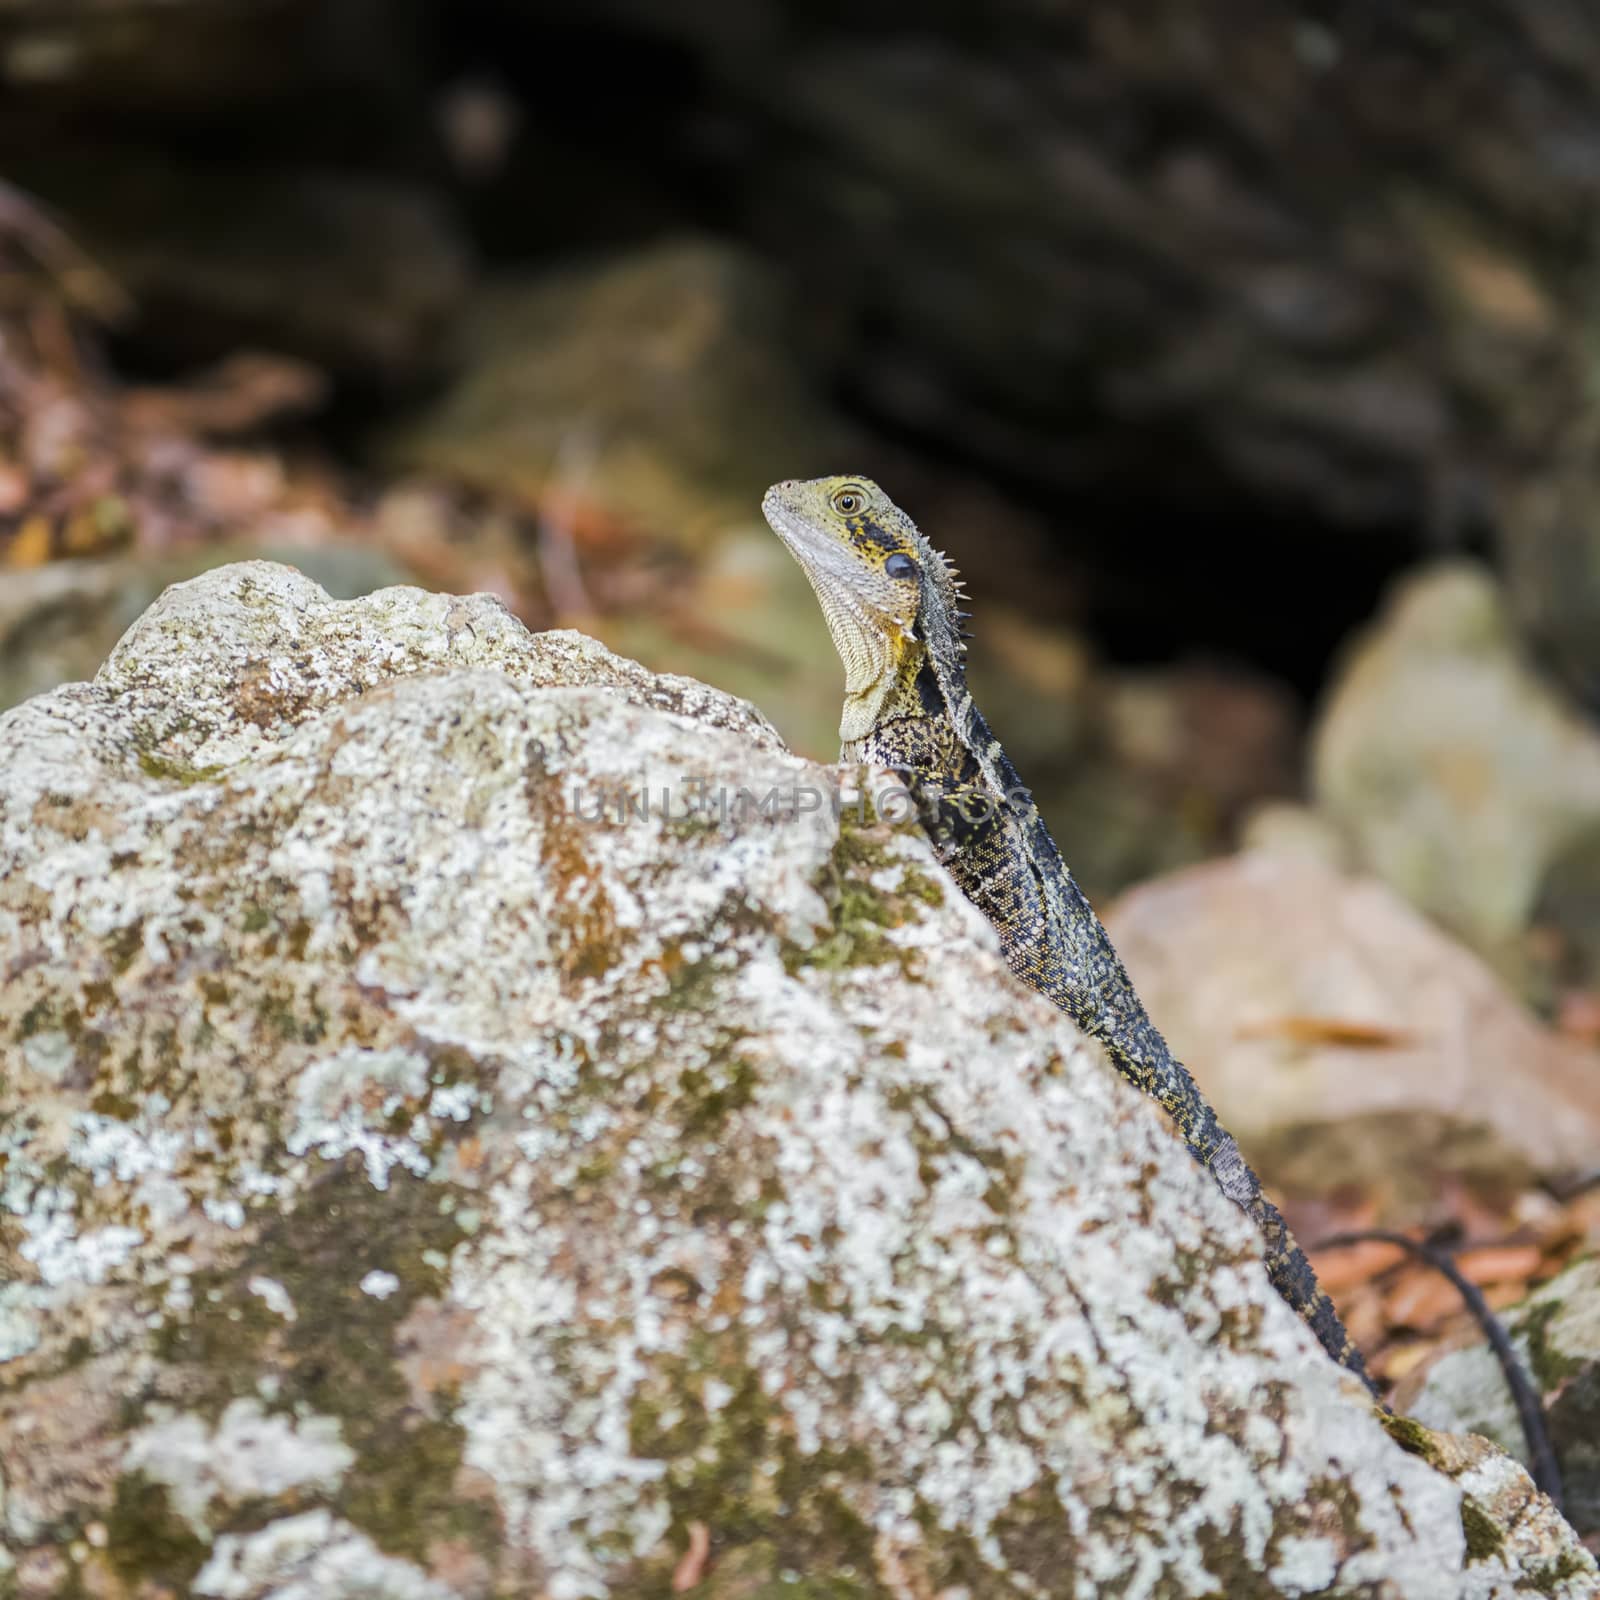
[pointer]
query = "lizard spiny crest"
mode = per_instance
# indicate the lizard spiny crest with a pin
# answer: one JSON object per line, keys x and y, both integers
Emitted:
{"x": 890, "y": 599}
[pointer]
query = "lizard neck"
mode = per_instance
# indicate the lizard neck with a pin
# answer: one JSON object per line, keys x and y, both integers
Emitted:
{"x": 909, "y": 726}
{"x": 885, "y": 691}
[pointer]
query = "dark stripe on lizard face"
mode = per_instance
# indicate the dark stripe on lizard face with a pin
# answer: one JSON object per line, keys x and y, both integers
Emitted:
{"x": 864, "y": 533}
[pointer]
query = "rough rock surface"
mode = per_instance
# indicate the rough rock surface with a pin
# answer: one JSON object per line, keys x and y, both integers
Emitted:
{"x": 1457, "y": 771}
{"x": 657, "y": 384}
{"x": 1557, "y": 1334}
{"x": 58, "y": 622}
{"x": 413, "y": 1188}
{"x": 1331, "y": 1010}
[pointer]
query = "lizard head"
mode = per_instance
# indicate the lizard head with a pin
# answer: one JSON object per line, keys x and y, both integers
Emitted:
{"x": 890, "y": 599}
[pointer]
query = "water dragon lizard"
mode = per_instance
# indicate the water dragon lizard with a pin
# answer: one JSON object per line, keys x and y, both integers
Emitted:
{"x": 892, "y": 605}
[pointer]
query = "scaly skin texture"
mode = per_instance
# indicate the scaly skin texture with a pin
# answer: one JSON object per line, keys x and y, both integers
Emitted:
{"x": 891, "y": 602}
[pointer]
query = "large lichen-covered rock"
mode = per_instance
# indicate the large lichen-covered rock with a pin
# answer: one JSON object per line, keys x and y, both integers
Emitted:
{"x": 430, "y": 1171}
{"x": 1556, "y": 1332}
{"x": 58, "y": 622}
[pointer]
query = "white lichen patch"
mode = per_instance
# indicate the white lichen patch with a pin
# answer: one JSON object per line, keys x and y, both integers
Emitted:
{"x": 249, "y": 1454}
{"x": 19, "y": 1323}
{"x": 409, "y": 1018}
{"x": 345, "y": 1101}
{"x": 62, "y": 1253}
{"x": 274, "y": 1296}
{"x": 109, "y": 1149}
{"x": 313, "y": 1556}
{"x": 1535, "y": 1553}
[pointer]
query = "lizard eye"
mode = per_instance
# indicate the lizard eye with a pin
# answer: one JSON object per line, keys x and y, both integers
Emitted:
{"x": 899, "y": 566}
{"x": 848, "y": 501}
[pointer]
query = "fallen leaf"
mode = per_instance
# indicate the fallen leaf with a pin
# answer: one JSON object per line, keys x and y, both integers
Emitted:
{"x": 1499, "y": 1263}
{"x": 1337, "y": 1031}
{"x": 1500, "y": 1295}
{"x": 246, "y": 391}
{"x": 1400, "y": 1359}
{"x": 1348, "y": 1265}
{"x": 1421, "y": 1298}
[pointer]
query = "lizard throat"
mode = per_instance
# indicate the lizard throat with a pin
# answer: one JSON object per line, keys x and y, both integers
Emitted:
{"x": 879, "y": 658}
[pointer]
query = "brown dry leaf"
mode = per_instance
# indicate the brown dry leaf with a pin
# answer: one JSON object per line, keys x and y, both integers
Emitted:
{"x": 1475, "y": 1215}
{"x": 1503, "y": 291}
{"x": 30, "y": 546}
{"x": 1583, "y": 1213}
{"x": 1361, "y": 1311}
{"x": 1421, "y": 1298}
{"x": 1501, "y": 1295}
{"x": 595, "y": 526}
{"x": 1337, "y": 1031}
{"x": 1348, "y": 1265}
{"x": 1400, "y": 1359}
{"x": 14, "y": 489}
{"x": 1499, "y": 1263}
{"x": 1400, "y": 1312}
{"x": 242, "y": 393}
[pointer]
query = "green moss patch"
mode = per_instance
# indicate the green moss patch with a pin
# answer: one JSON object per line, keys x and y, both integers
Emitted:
{"x": 1551, "y": 1367}
{"x": 861, "y": 913}
{"x": 170, "y": 770}
{"x": 1485, "y": 1541}
{"x": 1550, "y": 1577}
{"x": 1412, "y": 1437}
{"x": 147, "y": 1542}
{"x": 337, "y": 1357}
{"x": 785, "y": 1517}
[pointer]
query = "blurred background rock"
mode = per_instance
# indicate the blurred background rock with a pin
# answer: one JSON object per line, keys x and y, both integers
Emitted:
{"x": 1243, "y": 354}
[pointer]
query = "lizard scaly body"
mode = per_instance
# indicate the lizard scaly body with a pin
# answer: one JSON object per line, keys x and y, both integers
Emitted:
{"x": 890, "y": 600}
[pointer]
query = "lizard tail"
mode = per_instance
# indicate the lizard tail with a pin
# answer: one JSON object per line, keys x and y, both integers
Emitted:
{"x": 1293, "y": 1277}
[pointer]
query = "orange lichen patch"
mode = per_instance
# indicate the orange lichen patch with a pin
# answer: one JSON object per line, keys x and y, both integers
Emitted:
{"x": 469, "y": 1153}
{"x": 436, "y": 1343}
{"x": 692, "y": 1567}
